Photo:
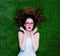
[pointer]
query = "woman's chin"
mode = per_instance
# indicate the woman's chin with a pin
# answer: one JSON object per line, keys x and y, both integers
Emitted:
{"x": 29, "y": 30}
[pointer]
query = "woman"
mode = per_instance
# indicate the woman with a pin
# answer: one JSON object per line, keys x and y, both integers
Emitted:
{"x": 28, "y": 36}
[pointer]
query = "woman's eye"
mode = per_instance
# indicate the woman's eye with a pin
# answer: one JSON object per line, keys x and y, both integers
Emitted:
{"x": 27, "y": 23}
{"x": 32, "y": 23}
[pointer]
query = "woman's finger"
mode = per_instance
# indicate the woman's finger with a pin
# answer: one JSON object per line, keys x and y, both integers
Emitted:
{"x": 35, "y": 30}
{"x": 21, "y": 28}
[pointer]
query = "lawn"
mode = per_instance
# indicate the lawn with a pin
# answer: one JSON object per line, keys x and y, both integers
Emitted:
{"x": 49, "y": 30}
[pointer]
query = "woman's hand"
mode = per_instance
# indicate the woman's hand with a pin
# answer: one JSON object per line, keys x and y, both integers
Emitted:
{"x": 32, "y": 34}
{"x": 21, "y": 28}
{"x": 34, "y": 30}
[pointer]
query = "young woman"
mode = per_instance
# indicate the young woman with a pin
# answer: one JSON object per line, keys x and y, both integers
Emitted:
{"x": 29, "y": 36}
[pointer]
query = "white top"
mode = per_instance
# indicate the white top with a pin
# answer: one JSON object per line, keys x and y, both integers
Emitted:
{"x": 29, "y": 51}
{"x": 29, "y": 46}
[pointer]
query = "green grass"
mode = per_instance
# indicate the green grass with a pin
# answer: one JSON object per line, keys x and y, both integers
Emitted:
{"x": 49, "y": 30}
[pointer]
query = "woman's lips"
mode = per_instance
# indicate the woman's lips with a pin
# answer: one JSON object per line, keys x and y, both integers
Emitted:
{"x": 29, "y": 27}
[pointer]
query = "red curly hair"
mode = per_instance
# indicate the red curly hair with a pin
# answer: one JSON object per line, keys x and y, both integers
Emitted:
{"x": 22, "y": 15}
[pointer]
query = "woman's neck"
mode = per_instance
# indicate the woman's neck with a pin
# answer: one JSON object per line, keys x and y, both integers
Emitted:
{"x": 28, "y": 32}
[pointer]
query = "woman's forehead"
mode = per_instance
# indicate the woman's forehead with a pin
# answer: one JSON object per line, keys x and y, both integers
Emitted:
{"x": 29, "y": 20}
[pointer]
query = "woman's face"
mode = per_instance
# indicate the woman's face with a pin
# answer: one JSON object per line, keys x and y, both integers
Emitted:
{"x": 29, "y": 23}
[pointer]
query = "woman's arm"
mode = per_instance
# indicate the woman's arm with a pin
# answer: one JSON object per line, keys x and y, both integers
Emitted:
{"x": 35, "y": 41}
{"x": 22, "y": 40}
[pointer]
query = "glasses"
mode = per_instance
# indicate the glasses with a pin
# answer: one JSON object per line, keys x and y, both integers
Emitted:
{"x": 27, "y": 23}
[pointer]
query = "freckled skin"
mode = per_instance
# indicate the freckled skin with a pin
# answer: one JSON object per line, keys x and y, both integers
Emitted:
{"x": 29, "y": 32}
{"x": 29, "y": 25}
